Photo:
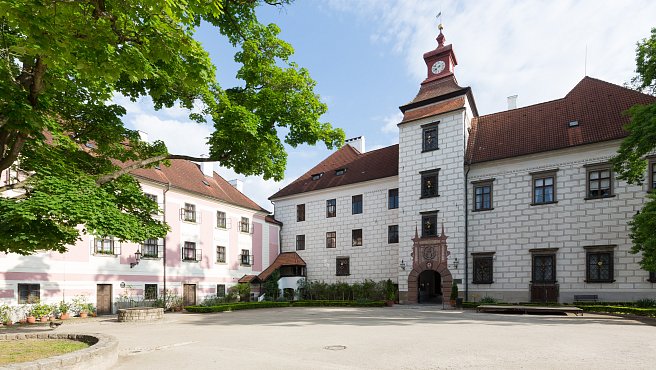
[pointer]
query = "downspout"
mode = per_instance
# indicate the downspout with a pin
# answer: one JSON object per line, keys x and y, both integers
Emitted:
{"x": 168, "y": 187}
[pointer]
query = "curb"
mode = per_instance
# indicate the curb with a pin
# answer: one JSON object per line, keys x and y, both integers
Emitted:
{"x": 102, "y": 353}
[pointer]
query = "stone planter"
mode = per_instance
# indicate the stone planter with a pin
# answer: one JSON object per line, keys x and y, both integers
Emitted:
{"x": 140, "y": 314}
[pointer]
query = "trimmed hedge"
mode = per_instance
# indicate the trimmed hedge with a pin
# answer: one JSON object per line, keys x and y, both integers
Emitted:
{"x": 266, "y": 304}
{"x": 649, "y": 312}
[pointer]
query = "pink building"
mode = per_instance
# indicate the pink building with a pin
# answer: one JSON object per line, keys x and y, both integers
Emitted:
{"x": 218, "y": 235}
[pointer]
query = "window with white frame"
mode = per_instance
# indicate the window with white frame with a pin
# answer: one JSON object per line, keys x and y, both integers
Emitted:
{"x": 220, "y": 254}
{"x": 221, "y": 219}
{"x": 150, "y": 248}
{"x": 244, "y": 225}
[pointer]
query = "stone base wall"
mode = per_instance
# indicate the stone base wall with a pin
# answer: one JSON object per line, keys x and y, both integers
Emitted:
{"x": 140, "y": 314}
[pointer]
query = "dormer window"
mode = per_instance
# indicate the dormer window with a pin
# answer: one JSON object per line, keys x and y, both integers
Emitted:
{"x": 340, "y": 172}
{"x": 206, "y": 183}
{"x": 573, "y": 124}
{"x": 317, "y": 176}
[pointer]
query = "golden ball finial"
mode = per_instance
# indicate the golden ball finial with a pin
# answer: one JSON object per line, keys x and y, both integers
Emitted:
{"x": 440, "y": 27}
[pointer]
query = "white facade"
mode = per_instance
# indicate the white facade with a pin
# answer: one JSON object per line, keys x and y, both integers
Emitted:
{"x": 376, "y": 259}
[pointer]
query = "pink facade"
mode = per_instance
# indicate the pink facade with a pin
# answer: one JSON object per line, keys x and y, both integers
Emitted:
{"x": 81, "y": 271}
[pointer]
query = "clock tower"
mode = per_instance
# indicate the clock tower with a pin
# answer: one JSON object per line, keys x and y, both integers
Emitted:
{"x": 441, "y": 61}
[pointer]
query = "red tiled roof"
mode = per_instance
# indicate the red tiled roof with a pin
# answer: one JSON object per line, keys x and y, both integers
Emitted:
{"x": 187, "y": 175}
{"x": 436, "y": 88}
{"x": 283, "y": 259}
{"x": 270, "y": 219}
{"x": 433, "y": 109}
{"x": 376, "y": 164}
{"x": 597, "y": 105}
{"x": 248, "y": 279}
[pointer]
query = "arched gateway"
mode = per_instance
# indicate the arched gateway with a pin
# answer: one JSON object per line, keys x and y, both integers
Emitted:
{"x": 429, "y": 269}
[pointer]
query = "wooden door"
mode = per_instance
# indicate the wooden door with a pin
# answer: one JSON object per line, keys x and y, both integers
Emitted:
{"x": 543, "y": 285}
{"x": 189, "y": 294}
{"x": 104, "y": 299}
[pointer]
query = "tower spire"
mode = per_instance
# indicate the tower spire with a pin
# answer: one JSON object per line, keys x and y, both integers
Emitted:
{"x": 440, "y": 38}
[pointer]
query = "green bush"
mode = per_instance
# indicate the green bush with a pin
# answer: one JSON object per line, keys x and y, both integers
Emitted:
{"x": 645, "y": 303}
{"x": 269, "y": 304}
{"x": 649, "y": 312}
{"x": 488, "y": 300}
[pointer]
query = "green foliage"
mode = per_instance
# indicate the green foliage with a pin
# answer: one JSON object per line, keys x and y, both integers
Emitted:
{"x": 368, "y": 290}
{"x": 454, "y": 291}
{"x": 645, "y": 303}
{"x": 270, "y": 286}
{"x": 5, "y": 313}
{"x": 649, "y": 312}
{"x": 40, "y": 310}
{"x": 63, "y": 61}
{"x": 390, "y": 290}
{"x": 630, "y": 162}
{"x": 241, "y": 290}
{"x": 488, "y": 300}
{"x": 268, "y": 304}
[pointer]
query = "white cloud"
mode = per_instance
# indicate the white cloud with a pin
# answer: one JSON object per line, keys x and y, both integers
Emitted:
{"x": 390, "y": 123}
{"x": 532, "y": 48}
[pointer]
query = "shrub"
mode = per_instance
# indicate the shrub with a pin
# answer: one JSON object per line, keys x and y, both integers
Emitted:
{"x": 649, "y": 312}
{"x": 488, "y": 300}
{"x": 645, "y": 303}
{"x": 454, "y": 291}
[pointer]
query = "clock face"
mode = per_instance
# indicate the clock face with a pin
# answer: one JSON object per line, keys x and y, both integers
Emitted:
{"x": 438, "y": 67}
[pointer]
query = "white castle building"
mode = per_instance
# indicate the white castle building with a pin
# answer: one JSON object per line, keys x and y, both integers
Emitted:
{"x": 520, "y": 205}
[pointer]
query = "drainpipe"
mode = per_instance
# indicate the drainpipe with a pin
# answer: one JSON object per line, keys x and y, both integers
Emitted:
{"x": 466, "y": 235}
{"x": 168, "y": 187}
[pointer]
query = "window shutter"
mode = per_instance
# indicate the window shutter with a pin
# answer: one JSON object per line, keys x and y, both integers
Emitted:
{"x": 228, "y": 222}
{"x": 92, "y": 243}
{"x": 199, "y": 217}
{"x": 182, "y": 252}
{"x": 252, "y": 228}
{"x": 160, "y": 248}
{"x": 199, "y": 254}
{"x": 117, "y": 247}
{"x": 182, "y": 213}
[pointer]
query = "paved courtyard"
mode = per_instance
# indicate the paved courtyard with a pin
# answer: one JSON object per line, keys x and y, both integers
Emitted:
{"x": 402, "y": 337}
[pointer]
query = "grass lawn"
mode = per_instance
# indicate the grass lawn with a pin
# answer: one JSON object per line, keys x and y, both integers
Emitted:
{"x": 12, "y": 351}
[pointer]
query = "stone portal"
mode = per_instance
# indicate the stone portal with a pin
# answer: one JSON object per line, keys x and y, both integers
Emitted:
{"x": 429, "y": 259}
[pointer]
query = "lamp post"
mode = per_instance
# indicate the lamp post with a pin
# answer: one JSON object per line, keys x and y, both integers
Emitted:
{"x": 137, "y": 258}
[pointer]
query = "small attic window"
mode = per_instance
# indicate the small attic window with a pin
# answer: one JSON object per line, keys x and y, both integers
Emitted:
{"x": 317, "y": 176}
{"x": 206, "y": 183}
{"x": 573, "y": 124}
{"x": 340, "y": 172}
{"x": 90, "y": 145}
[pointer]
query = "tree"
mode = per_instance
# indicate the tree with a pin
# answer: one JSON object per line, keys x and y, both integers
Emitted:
{"x": 630, "y": 162}
{"x": 61, "y": 137}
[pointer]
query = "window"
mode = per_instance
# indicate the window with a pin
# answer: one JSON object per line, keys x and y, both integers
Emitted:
{"x": 544, "y": 268}
{"x": 544, "y": 187}
{"x": 342, "y": 268}
{"x": 599, "y": 184}
{"x": 429, "y": 135}
{"x": 356, "y": 236}
{"x": 483, "y": 268}
{"x": 106, "y": 246}
{"x": 29, "y": 293}
{"x": 331, "y": 208}
{"x": 220, "y": 254}
{"x": 150, "y": 248}
{"x": 221, "y": 220}
{"x": 356, "y": 204}
{"x": 393, "y": 234}
{"x": 429, "y": 184}
{"x": 300, "y": 242}
{"x": 340, "y": 172}
{"x": 652, "y": 174}
{"x": 152, "y": 197}
{"x": 220, "y": 290}
{"x": 317, "y": 176}
{"x": 190, "y": 253}
{"x": 244, "y": 225}
{"x": 483, "y": 195}
{"x": 599, "y": 266}
{"x": 331, "y": 239}
{"x": 189, "y": 212}
{"x": 300, "y": 212}
{"x": 245, "y": 257}
{"x": 652, "y": 277}
{"x": 393, "y": 199}
{"x": 150, "y": 292}
{"x": 429, "y": 224}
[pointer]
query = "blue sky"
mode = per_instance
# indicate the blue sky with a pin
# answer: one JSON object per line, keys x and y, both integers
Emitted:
{"x": 366, "y": 56}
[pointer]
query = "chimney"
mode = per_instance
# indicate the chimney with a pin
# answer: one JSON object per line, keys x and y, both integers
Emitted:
{"x": 207, "y": 167}
{"x": 357, "y": 143}
{"x": 237, "y": 184}
{"x": 512, "y": 102}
